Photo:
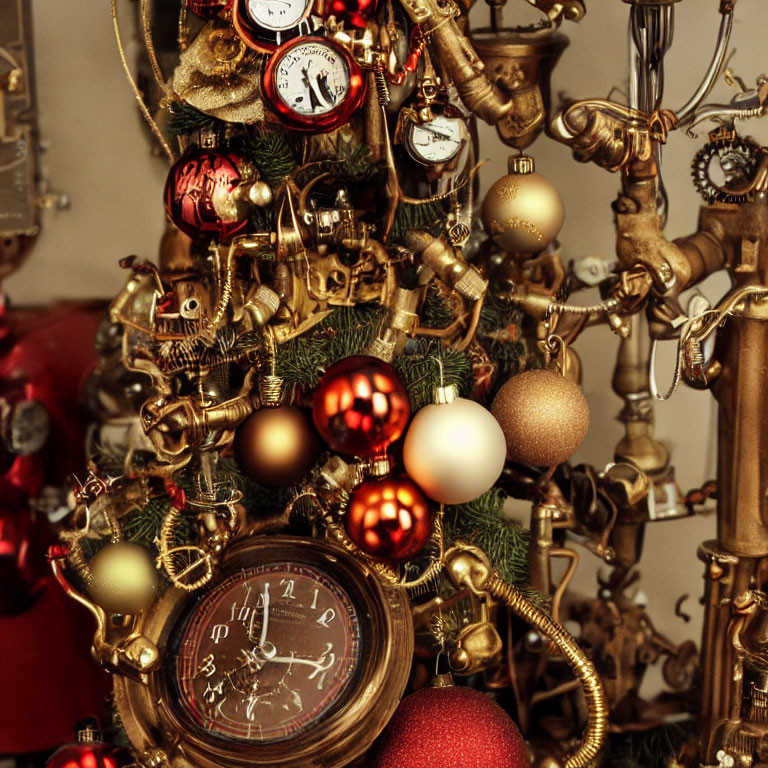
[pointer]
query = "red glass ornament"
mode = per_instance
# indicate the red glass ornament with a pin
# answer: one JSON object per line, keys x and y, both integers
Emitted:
{"x": 451, "y": 727}
{"x": 208, "y": 9}
{"x": 360, "y": 406}
{"x": 195, "y": 178}
{"x": 355, "y": 13}
{"x": 389, "y": 518}
{"x": 89, "y": 751}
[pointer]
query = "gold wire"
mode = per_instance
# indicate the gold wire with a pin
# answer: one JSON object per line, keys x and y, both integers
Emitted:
{"x": 150, "y": 47}
{"x": 136, "y": 92}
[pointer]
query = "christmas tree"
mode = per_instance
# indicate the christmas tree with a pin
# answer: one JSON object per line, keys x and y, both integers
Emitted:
{"x": 342, "y": 367}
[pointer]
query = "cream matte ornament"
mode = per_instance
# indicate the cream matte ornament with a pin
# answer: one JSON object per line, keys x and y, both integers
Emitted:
{"x": 123, "y": 578}
{"x": 545, "y": 417}
{"x": 522, "y": 211}
{"x": 454, "y": 449}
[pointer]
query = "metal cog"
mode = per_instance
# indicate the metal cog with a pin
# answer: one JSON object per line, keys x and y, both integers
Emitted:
{"x": 744, "y": 152}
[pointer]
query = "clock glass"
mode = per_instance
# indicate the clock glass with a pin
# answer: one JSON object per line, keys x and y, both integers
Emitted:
{"x": 278, "y": 15}
{"x": 312, "y": 78}
{"x": 267, "y": 652}
{"x": 436, "y": 141}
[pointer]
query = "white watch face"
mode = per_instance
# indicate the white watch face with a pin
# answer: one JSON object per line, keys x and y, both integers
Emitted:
{"x": 312, "y": 78}
{"x": 437, "y": 141}
{"x": 278, "y": 15}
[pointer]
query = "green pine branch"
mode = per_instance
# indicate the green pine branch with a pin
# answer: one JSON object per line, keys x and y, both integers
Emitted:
{"x": 480, "y": 522}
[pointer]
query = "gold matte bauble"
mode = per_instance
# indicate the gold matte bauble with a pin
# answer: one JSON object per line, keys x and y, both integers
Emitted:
{"x": 277, "y": 446}
{"x": 522, "y": 211}
{"x": 454, "y": 451}
{"x": 544, "y": 416}
{"x": 123, "y": 578}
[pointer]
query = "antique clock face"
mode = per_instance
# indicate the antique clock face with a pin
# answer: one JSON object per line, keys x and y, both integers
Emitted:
{"x": 436, "y": 141}
{"x": 267, "y": 652}
{"x": 273, "y": 662}
{"x": 266, "y": 24}
{"x": 313, "y": 84}
{"x": 277, "y": 14}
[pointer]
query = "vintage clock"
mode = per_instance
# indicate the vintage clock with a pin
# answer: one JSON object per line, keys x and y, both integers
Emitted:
{"x": 436, "y": 141}
{"x": 296, "y": 655}
{"x": 314, "y": 84}
{"x": 266, "y": 24}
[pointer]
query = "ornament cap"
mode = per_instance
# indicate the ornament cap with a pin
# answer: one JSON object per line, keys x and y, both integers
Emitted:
{"x": 443, "y": 681}
{"x": 521, "y": 165}
{"x": 271, "y": 390}
{"x": 88, "y": 732}
{"x": 380, "y": 466}
{"x": 445, "y": 394}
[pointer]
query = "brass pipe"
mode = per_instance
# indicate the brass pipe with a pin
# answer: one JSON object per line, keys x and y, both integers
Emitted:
{"x": 469, "y": 567}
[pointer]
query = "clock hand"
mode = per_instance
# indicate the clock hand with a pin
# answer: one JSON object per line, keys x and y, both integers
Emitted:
{"x": 319, "y": 665}
{"x": 438, "y": 133}
{"x": 322, "y": 84}
{"x": 313, "y": 100}
{"x": 265, "y": 617}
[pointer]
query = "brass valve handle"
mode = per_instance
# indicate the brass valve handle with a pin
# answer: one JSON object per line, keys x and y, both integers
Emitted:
{"x": 469, "y": 568}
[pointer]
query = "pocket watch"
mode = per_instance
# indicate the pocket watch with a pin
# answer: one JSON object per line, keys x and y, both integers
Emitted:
{"x": 435, "y": 141}
{"x": 266, "y": 24}
{"x": 313, "y": 83}
{"x": 295, "y": 654}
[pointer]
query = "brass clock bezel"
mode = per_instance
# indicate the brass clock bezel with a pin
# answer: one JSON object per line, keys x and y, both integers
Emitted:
{"x": 153, "y": 721}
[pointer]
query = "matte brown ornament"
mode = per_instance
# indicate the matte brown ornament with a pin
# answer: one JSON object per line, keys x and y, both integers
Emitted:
{"x": 277, "y": 446}
{"x": 522, "y": 211}
{"x": 123, "y": 578}
{"x": 544, "y": 416}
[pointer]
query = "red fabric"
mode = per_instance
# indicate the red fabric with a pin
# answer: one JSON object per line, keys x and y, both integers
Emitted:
{"x": 48, "y": 680}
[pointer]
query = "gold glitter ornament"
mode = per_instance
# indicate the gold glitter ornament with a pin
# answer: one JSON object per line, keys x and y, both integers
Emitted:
{"x": 522, "y": 211}
{"x": 544, "y": 417}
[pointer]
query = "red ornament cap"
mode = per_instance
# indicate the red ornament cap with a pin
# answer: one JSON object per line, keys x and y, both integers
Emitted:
{"x": 360, "y": 406}
{"x": 449, "y": 727}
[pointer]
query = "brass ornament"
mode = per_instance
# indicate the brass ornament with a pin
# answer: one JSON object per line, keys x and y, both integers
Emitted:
{"x": 123, "y": 578}
{"x": 522, "y": 211}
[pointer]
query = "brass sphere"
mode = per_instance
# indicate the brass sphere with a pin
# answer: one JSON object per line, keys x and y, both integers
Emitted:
{"x": 523, "y": 212}
{"x": 277, "y": 446}
{"x": 544, "y": 417}
{"x": 123, "y": 578}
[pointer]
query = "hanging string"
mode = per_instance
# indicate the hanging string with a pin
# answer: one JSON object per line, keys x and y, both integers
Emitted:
{"x": 136, "y": 92}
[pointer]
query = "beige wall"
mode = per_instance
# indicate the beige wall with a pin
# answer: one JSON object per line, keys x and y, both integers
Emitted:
{"x": 99, "y": 156}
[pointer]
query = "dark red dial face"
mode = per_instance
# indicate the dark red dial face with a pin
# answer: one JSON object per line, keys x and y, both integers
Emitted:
{"x": 267, "y": 652}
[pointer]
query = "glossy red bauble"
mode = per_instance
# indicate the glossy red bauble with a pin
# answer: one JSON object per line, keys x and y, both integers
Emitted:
{"x": 208, "y": 9}
{"x": 452, "y": 727}
{"x": 360, "y": 406}
{"x": 389, "y": 518}
{"x": 196, "y": 179}
{"x": 354, "y": 13}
